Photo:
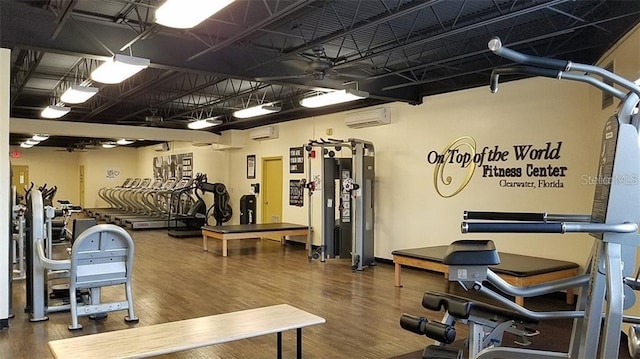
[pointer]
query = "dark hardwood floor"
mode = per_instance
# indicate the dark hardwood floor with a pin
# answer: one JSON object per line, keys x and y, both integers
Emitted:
{"x": 174, "y": 279}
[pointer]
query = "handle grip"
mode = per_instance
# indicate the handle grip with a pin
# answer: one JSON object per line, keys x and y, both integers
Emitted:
{"x": 491, "y": 227}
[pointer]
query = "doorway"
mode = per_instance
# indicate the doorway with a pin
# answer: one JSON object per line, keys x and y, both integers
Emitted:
{"x": 271, "y": 189}
{"x": 20, "y": 178}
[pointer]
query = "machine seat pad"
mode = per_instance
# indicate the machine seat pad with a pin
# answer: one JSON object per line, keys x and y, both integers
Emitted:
{"x": 462, "y": 308}
{"x": 471, "y": 252}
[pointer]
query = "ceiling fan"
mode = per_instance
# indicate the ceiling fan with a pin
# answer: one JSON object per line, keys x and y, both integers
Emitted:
{"x": 319, "y": 67}
{"x": 153, "y": 120}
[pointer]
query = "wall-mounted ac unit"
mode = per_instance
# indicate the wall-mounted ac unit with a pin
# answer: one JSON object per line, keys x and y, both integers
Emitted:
{"x": 163, "y": 147}
{"x": 264, "y": 133}
{"x": 375, "y": 117}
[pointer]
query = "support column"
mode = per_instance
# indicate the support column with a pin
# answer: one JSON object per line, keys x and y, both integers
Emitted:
{"x": 5, "y": 184}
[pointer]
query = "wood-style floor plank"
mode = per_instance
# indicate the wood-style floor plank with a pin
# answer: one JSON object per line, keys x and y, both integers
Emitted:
{"x": 174, "y": 279}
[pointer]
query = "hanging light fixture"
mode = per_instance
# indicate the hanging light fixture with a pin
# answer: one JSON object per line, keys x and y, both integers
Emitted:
{"x": 40, "y": 137}
{"x": 108, "y": 145}
{"x": 124, "y": 141}
{"x": 78, "y": 94}
{"x": 332, "y": 98}
{"x": 185, "y": 14}
{"x": 53, "y": 111}
{"x": 25, "y": 145}
{"x": 257, "y": 111}
{"x": 204, "y": 123}
{"x": 31, "y": 142}
{"x": 119, "y": 68}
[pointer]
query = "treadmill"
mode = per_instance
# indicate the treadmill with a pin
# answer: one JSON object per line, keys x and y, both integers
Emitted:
{"x": 161, "y": 202}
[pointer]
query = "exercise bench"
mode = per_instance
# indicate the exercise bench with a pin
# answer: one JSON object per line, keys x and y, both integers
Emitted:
{"x": 172, "y": 337}
{"x": 250, "y": 231}
{"x": 518, "y": 270}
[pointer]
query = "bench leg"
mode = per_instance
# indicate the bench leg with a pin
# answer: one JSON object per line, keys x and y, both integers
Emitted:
{"x": 224, "y": 247}
{"x": 398, "y": 272}
{"x": 570, "y": 298}
{"x": 279, "y": 345}
{"x": 299, "y": 343}
{"x": 204, "y": 243}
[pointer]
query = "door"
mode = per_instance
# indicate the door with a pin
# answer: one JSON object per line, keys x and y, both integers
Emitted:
{"x": 271, "y": 189}
{"x": 20, "y": 179}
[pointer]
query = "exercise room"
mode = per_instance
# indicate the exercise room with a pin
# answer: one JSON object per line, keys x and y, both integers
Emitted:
{"x": 320, "y": 179}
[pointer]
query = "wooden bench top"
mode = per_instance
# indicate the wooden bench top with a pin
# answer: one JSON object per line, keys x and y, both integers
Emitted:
{"x": 513, "y": 264}
{"x": 186, "y": 334}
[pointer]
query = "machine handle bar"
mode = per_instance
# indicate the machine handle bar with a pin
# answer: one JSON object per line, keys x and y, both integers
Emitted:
{"x": 495, "y": 45}
{"x": 516, "y": 227}
{"x": 525, "y": 216}
{"x": 505, "y": 216}
{"x": 495, "y": 74}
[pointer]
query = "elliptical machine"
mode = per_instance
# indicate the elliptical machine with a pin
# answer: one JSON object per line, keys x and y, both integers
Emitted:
{"x": 607, "y": 287}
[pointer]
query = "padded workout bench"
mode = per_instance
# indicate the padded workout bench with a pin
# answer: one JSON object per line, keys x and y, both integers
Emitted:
{"x": 188, "y": 334}
{"x": 517, "y": 270}
{"x": 250, "y": 231}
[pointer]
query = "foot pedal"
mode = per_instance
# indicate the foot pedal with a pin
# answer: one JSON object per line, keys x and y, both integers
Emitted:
{"x": 436, "y": 352}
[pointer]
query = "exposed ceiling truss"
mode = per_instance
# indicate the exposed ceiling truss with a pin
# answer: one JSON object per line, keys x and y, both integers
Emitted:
{"x": 279, "y": 51}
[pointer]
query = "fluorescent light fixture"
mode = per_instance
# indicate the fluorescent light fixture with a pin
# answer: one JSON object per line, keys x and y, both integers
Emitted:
{"x": 78, "y": 94}
{"x": 40, "y": 137}
{"x": 108, "y": 145}
{"x": 124, "y": 141}
{"x": 31, "y": 142}
{"x": 204, "y": 123}
{"x": 25, "y": 145}
{"x": 55, "y": 111}
{"x": 119, "y": 68}
{"x": 256, "y": 111}
{"x": 332, "y": 98}
{"x": 185, "y": 14}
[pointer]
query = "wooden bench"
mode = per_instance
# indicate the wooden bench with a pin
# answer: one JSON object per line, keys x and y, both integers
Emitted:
{"x": 517, "y": 270}
{"x": 141, "y": 342}
{"x": 250, "y": 231}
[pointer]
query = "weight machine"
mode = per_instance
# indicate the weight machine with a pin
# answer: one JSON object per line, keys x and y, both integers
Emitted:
{"x": 351, "y": 235}
{"x": 608, "y": 286}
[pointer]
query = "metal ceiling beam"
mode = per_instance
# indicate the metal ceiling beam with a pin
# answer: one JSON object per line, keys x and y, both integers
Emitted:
{"x": 435, "y": 37}
{"x": 265, "y": 22}
{"x": 70, "y": 128}
{"x": 415, "y": 6}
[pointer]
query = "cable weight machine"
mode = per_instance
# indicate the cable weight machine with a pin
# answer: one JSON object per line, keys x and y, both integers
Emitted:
{"x": 347, "y": 186}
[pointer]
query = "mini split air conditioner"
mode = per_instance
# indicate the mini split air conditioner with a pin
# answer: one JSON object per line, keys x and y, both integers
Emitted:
{"x": 375, "y": 117}
{"x": 162, "y": 147}
{"x": 264, "y": 133}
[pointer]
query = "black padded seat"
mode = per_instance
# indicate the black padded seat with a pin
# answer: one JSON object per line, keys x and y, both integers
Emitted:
{"x": 516, "y": 265}
{"x": 462, "y": 308}
{"x": 245, "y": 228}
{"x": 471, "y": 252}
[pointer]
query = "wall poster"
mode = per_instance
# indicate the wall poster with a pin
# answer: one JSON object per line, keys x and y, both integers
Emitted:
{"x": 296, "y": 193}
{"x": 173, "y": 166}
{"x": 251, "y": 166}
{"x": 296, "y": 160}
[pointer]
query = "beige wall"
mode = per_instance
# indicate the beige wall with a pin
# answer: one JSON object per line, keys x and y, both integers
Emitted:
{"x": 55, "y": 168}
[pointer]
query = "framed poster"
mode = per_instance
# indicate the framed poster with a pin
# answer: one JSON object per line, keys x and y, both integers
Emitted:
{"x": 251, "y": 166}
{"x": 296, "y": 193}
{"x": 296, "y": 160}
